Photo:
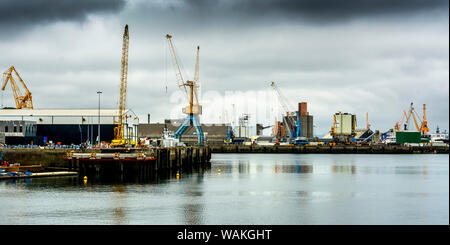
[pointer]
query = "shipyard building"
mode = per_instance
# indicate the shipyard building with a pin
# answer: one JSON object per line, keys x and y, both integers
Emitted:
{"x": 79, "y": 126}
{"x": 59, "y": 126}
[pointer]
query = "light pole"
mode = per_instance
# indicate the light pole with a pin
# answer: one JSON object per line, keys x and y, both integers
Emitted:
{"x": 99, "y": 93}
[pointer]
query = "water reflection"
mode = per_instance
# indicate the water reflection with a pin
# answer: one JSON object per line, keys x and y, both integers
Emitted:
{"x": 297, "y": 168}
{"x": 343, "y": 169}
{"x": 410, "y": 170}
{"x": 250, "y": 189}
{"x": 243, "y": 167}
{"x": 162, "y": 176}
{"x": 192, "y": 214}
{"x": 119, "y": 201}
{"x": 192, "y": 188}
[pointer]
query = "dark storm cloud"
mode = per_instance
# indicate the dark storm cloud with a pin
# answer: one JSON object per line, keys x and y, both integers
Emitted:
{"x": 36, "y": 11}
{"x": 320, "y": 9}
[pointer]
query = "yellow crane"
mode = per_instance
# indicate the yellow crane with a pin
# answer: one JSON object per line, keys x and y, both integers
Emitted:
{"x": 22, "y": 101}
{"x": 119, "y": 139}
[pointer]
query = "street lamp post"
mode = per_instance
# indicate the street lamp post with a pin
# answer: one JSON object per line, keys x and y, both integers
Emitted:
{"x": 99, "y": 92}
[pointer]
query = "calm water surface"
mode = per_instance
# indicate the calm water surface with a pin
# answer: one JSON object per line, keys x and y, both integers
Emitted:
{"x": 249, "y": 189}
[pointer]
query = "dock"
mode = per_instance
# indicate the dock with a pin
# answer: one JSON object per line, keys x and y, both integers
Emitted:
{"x": 337, "y": 149}
{"x": 135, "y": 162}
{"x": 163, "y": 157}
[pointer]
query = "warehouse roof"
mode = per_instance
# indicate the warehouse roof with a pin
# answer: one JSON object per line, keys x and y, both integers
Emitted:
{"x": 58, "y": 112}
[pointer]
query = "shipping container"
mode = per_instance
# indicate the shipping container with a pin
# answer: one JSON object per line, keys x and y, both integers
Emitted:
{"x": 407, "y": 137}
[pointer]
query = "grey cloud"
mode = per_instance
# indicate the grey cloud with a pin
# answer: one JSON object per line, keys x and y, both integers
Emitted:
{"x": 34, "y": 12}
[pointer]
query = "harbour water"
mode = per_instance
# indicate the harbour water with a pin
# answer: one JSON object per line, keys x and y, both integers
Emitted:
{"x": 297, "y": 189}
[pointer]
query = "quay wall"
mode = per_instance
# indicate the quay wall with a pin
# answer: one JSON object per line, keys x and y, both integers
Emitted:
{"x": 338, "y": 149}
{"x": 172, "y": 157}
{"x": 166, "y": 157}
{"x": 46, "y": 157}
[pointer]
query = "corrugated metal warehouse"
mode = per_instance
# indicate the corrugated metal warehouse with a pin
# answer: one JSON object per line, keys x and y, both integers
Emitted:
{"x": 67, "y": 126}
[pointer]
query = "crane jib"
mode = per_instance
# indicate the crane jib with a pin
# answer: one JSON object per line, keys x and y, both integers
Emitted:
{"x": 119, "y": 130}
{"x": 22, "y": 101}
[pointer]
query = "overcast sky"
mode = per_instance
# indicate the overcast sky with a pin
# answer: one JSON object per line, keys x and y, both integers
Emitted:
{"x": 374, "y": 56}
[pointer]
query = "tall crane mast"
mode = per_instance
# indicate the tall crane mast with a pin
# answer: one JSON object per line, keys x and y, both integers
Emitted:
{"x": 424, "y": 126}
{"x": 367, "y": 121}
{"x": 119, "y": 139}
{"x": 193, "y": 110}
{"x": 22, "y": 101}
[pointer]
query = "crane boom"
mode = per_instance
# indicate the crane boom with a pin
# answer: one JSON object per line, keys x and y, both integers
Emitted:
{"x": 197, "y": 74}
{"x": 22, "y": 101}
{"x": 415, "y": 120}
{"x": 176, "y": 66}
{"x": 119, "y": 138}
{"x": 188, "y": 87}
{"x": 289, "y": 122}
{"x": 398, "y": 125}
{"x": 197, "y": 66}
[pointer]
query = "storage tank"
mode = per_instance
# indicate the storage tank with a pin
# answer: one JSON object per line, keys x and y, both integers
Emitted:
{"x": 345, "y": 124}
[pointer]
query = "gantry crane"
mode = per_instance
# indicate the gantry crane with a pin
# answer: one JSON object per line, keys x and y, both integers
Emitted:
{"x": 190, "y": 91}
{"x": 22, "y": 101}
{"x": 119, "y": 138}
